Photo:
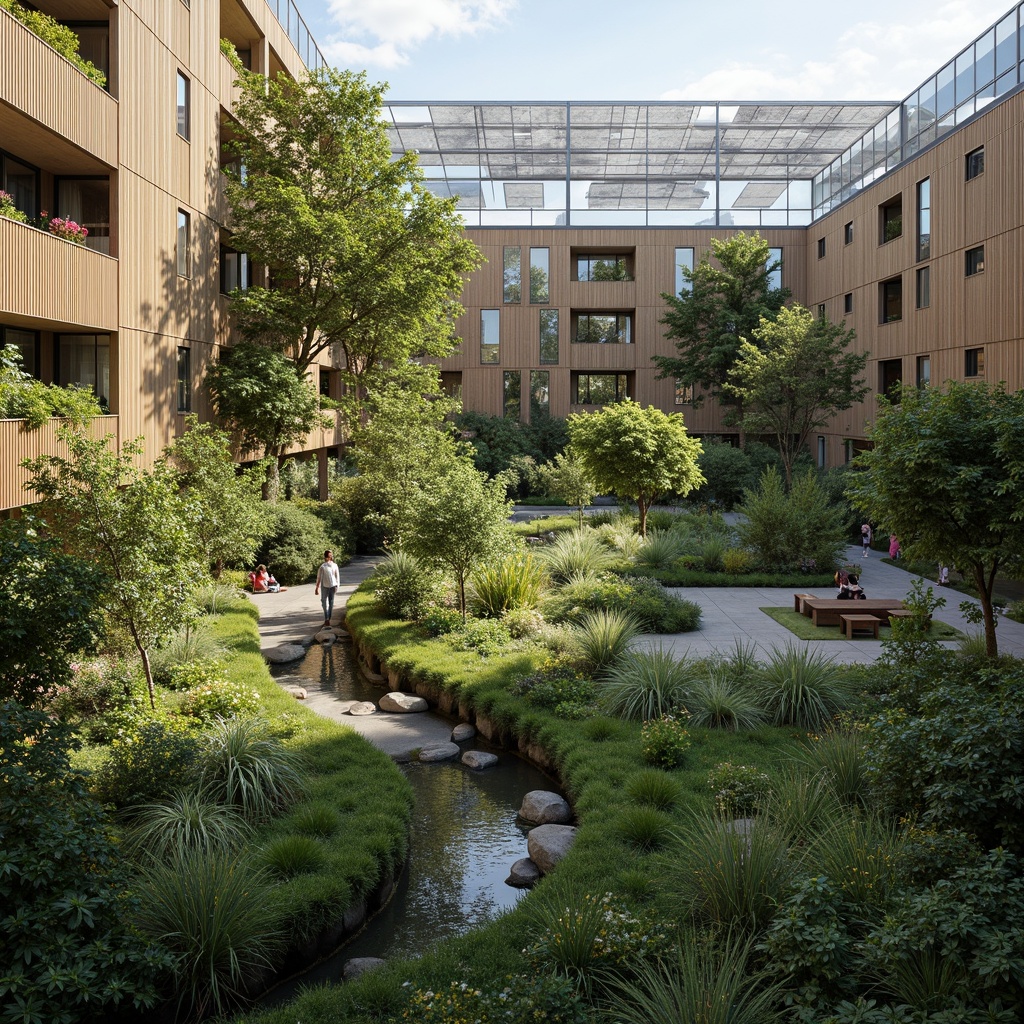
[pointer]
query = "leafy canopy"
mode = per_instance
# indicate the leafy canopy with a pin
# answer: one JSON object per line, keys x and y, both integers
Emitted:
{"x": 636, "y": 453}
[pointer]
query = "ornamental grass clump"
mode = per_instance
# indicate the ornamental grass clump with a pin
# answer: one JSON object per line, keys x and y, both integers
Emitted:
{"x": 602, "y": 638}
{"x": 720, "y": 700}
{"x": 839, "y": 754}
{"x": 287, "y": 856}
{"x": 647, "y": 685}
{"x": 660, "y": 549}
{"x": 513, "y": 583}
{"x": 643, "y": 828}
{"x": 188, "y": 821}
{"x": 576, "y": 554}
{"x": 798, "y": 686}
{"x": 651, "y": 787}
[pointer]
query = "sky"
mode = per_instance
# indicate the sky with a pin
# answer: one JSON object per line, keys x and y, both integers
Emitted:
{"x": 646, "y": 49}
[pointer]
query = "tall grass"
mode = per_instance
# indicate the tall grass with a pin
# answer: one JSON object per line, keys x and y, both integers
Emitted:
{"x": 647, "y": 685}
{"x": 643, "y": 828}
{"x": 652, "y": 787}
{"x": 802, "y": 802}
{"x": 660, "y": 549}
{"x": 858, "y": 853}
{"x": 718, "y": 700}
{"x": 577, "y": 553}
{"x": 192, "y": 644}
{"x": 622, "y": 536}
{"x": 798, "y": 686}
{"x": 189, "y": 820}
{"x": 602, "y": 638}
{"x": 515, "y": 582}
{"x": 839, "y": 754}
{"x": 214, "y": 598}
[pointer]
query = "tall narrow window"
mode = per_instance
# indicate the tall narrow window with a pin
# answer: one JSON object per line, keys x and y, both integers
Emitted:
{"x": 974, "y": 362}
{"x": 184, "y": 379}
{"x": 924, "y": 287}
{"x": 924, "y": 219}
{"x": 684, "y": 261}
{"x": 848, "y": 232}
{"x": 683, "y": 393}
{"x": 975, "y": 261}
{"x": 539, "y": 289}
{"x": 890, "y": 374}
{"x": 924, "y": 371}
{"x": 512, "y": 403}
{"x": 490, "y": 321}
{"x": 775, "y": 276}
{"x": 890, "y": 219}
{"x": 975, "y": 163}
{"x": 182, "y": 245}
{"x": 892, "y": 300}
{"x": 548, "y": 336}
{"x": 821, "y": 452}
{"x": 234, "y": 270}
{"x": 27, "y": 344}
{"x": 821, "y": 248}
{"x": 512, "y": 274}
{"x": 87, "y": 201}
{"x": 183, "y": 106}
{"x": 848, "y": 303}
{"x": 540, "y": 394}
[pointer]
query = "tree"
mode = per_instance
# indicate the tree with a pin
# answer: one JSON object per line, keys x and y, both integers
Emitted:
{"x": 943, "y": 475}
{"x": 722, "y": 305}
{"x": 226, "y": 514}
{"x": 265, "y": 401}
{"x": 49, "y": 610}
{"x": 795, "y": 378}
{"x": 130, "y": 524}
{"x": 636, "y": 453}
{"x": 364, "y": 260}
{"x": 459, "y": 522}
{"x": 566, "y": 478}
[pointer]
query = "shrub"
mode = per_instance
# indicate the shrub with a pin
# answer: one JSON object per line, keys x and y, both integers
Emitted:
{"x": 720, "y": 700}
{"x": 535, "y": 998}
{"x": 656, "y": 610}
{"x": 214, "y": 598}
{"x": 195, "y": 643}
{"x": 56, "y": 35}
{"x": 405, "y": 587}
{"x": 97, "y": 692}
{"x": 602, "y": 638}
{"x": 839, "y": 754}
{"x": 798, "y": 686}
{"x": 739, "y": 789}
{"x": 653, "y": 788}
{"x": 485, "y": 636}
{"x": 189, "y": 820}
{"x": 712, "y": 551}
{"x": 219, "y": 700}
{"x": 736, "y": 561}
{"x": 664, "y": 741}
{"x": 648, "y": 685}
{"x": 195, "y": 674}
{"x": 514, "y": 582}
{"x": 438, "y": 620}
{"x": 294, "y": 545}
{"x": 147, "y": 764}
{"x": 576, "y": 553}
{"x": 287, "y": 856}
{"x": 563, "y": 692}
{"x": 523, "y": 623}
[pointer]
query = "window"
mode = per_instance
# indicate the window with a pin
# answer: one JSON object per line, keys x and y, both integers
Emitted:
{"x": 182, "y": 245}
{"x": 325, "y": 383}
{"x": 184, "y": 118}
{"x": 87, "y": 201}
{"x": 821, "y": 452}
{"x": 821, "y": 248}
{"x": 548, "y": 336}
{"x": 684, "y": 393}
{"x": 684, "y": 261}
{"x": 890, "y": 374}
{"x": 924, "y": 371}
{"x": 599, "y": 388}
{"x": 512, "y": 403}
{"x": 924, "y": 287}
{"x": 84, "y": 360}
{"x": 974, "y": 362}
{"x": 848, "y": 233}
{"x": 975, "y": 163}
{"x": 512, "y": 280}
{"x": 539, "y": 290}
{"x": 184, "y": 379}
{"x": 603, "y": 328}
{"x": 848, "y": 450}
{"x": 540, "y": 394}
{"x": 490, "y": 322}
{"x": 611, "y": 267}
{"x": 848, "y": 303}
{"x": 235, "y": 271}
{"x": 21, "y": 183}
{"x": 891, "y": 292}
{"x": 27, "y": 344}
{"x": 890, "y": 220}
{"x": 975, "y": 261}
{"x": 774, "y": 268}
{"x": 924, "y": 219}
{"x": 821, "y": 310}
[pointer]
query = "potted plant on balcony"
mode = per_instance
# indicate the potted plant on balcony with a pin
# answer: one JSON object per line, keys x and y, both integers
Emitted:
{"x": 65, "y": 227}
{"x": 9, "y": 210}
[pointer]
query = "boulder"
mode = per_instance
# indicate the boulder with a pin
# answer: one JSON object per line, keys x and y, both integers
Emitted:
{"x": 523, "y": 874}
{"x": 363, "y": 707}
{"x": 326, "y": 637}
{"x": 463, "y": 732}
{"x": 402, "y": 703}
{"x": 371, "y": 676}
{"x": 548, "y": 844}
{"x": 440, "y": 752}
{"x": 297, "y": 692}
{"x": 544, "y": 808}
{"x": 359, "y": 965}
{"x": 479, "y": 759}
{"x": 284, "y": 653}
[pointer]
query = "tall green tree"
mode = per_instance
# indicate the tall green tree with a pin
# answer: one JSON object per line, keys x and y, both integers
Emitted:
{"x": 226, "y": 513}
{"x": 728, "y": 293}
{"x": 943, "y": 473}
{"x": 565, "y": 478}
{"x": 265, "y": 401}
{"x": 131, "y": 524}
{"x": 365, "y": 262}
{"x": 794, "y": 377}
{"x": 639, "y": 454}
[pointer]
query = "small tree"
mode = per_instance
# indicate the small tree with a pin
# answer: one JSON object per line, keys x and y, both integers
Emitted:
{"x": 265, "y": 401}
{"x": 226, "y": 515}
{"x": 566, "y": 478}
{"x": 943, "y": 474}
{"x": 130, "y": 524}
{"x": 636, "y": 453}
{"x": 795, "y": 378}
{"x": 461, "y": 521}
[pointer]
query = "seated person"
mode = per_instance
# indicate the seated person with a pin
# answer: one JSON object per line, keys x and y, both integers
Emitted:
{"x": 849, "y": 587}
{"x": 262, "y": 581}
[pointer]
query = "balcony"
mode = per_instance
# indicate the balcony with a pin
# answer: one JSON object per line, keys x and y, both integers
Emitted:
{"x": 17, "y": 444}
{"x": 57, "y": 104}
{"x": 47, "y": 279}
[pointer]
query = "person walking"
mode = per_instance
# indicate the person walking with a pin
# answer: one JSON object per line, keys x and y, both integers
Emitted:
{"x": 327, "y": 580}
{"x": 865, "y": 539}
{"x": 894, "y": 546}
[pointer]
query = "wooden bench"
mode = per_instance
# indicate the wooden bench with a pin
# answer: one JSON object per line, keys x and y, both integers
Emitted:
{"x": 825, "y": 611}
{"x": 798, "y": 602}
{"x": 850, "y": 624}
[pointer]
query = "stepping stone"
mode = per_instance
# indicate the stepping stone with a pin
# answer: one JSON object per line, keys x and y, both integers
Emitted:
{"x": 463, "y": 732}
{"x": 359, "y": 965}
{"x": 326, "y": 636}
{"x": 297, "y": 692}
{"x": 284, "y": 653}
{"x": 363, "y": 707}
{"x": 479, "y": 759}
{"x": 402, "y": 703}
{"x": 439, "y": 752}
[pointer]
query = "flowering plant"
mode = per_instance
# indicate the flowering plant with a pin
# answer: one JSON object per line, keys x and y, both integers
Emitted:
{"x": 8, "y": 209}
{"x": 664, "y": 741}
{"x": 65, "y": 227}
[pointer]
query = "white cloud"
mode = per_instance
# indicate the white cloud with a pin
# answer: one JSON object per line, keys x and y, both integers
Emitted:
{"x": 382, "y": 32}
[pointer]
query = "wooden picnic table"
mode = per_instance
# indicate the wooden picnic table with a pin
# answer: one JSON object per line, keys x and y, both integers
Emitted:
{"x": 826, "y": 611}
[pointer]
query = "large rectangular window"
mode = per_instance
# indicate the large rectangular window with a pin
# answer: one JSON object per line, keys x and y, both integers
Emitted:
{"x": 539, "y": 275}
{"x": 924, "y": 287}
{"x": 182, "y": 254}
{"x": 27, "y": 344}
{"x": 184, "y": 379}
{"x": 84, "y": 360}
{"x": 974, "y": 362}
{"x": 512, "y": 274}
{"x": 892, "y": 300}
{"x": 540, "y": 394}
{"x": 683, "y": 393}
{"x": 684, "y": 262}
{"x": 602, "y": 267}
{"x": 184, "y": 117}
{"x": 490, "y": 323}
{"x": 974, "y": 261}
{"x": 511, "y": 391}
{"x": 548, "y": 336}
{"x": 924, "y": 219}
{"x": 599, "y": 388}
{"x": 890, "y": 374}
{"x": 87, "y": 201}
{"x": 235, "y": 272}
{"x": 890, "y": 219}
{"x": 603, "y": 328}
{"x": 775, "y": 276}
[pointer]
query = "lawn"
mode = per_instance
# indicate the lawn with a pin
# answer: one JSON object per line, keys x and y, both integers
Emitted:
{"x": 804, "y": 629}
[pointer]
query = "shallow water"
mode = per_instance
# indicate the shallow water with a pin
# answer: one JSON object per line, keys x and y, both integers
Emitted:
{"x": 464, "y": 838}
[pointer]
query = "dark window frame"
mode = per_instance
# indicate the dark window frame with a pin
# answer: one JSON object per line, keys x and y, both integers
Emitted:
{"x": 974, "y": 164}
{"x": 623, "y": 324}
{"x": 184, "y": 373}
{"x": 821, "y": 248}
{"x": 183, "y": 112}
{"x": 974, "y": 362}
{"x": 890, "y": 294}
{"x": 620, "y": 396}
{"x": 848, "y": 233}
{"x": 974, "y": 261}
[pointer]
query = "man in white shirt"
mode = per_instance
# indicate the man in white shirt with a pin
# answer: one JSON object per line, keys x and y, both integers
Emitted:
{"x": 327, "y": 580}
